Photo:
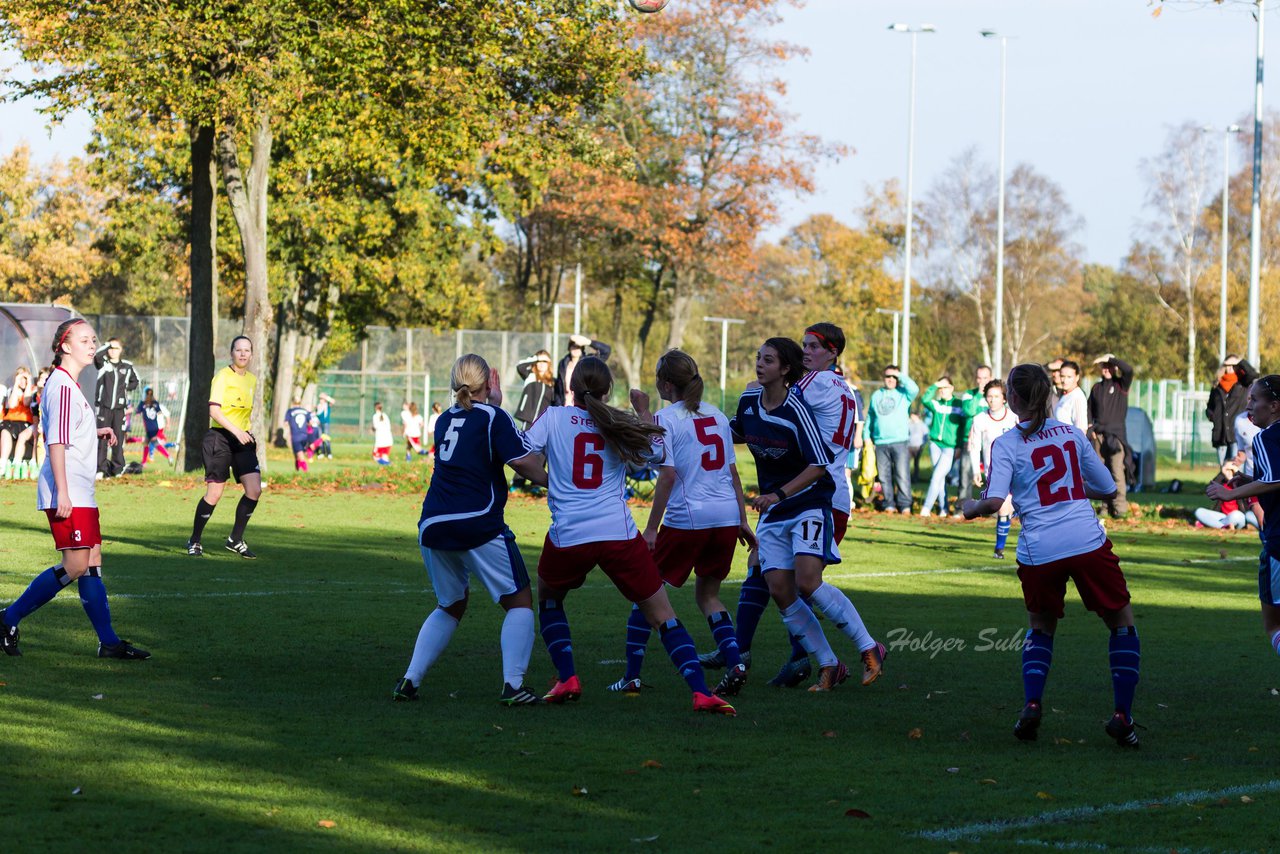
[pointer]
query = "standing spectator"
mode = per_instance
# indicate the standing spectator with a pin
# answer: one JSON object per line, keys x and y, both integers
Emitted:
{"x": 1055, "y": 373}
{"x": 948, "y": 415}
{"x": 535, "y": 397}
{"x": 887, "y": 424}
{"x": 1072, "y": 406}
{"x": 578, "y": 345}
{"x": 972, "y": 401}
{"x": 1108, "y": 407}
{"x": 116, "y": 378}
{"x": 17, "y": 425}
{"x": 918, "y": 434}
{"x": 1227, "y": 400}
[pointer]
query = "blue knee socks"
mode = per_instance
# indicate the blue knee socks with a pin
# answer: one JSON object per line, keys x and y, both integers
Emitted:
{"x": 93, "y": 596}
{"x": 1125, "y": 657}
{"x": 1037, "y": 655}
{"x": 555, "y": 634}
{"x": 638, "y": 633}
{"x": 684, "y": 655}
{"x": 725, "y": 637}
{"x": 40, "y": 591}
{"x": 752, "y": 601}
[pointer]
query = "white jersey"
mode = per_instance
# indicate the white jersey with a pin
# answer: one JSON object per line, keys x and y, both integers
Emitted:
{"x": 1047, "y": 473}
{"x": 1245, "y": 431}
{"x": 587, "y": 488}
{"x": 412, "y": 424}
{"x": 836, "y": 412}
{"x": 700, "y": 449}
{"x": 66, "y": 418}
{"x": 983, "y": 433}
{"x": 382, "y": 430}
{"x": 1073, "y": 408}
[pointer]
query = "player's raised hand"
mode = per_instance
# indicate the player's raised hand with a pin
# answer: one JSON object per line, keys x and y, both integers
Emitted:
{"x": 495, "y": 388}
{"x": 640, "y": 402}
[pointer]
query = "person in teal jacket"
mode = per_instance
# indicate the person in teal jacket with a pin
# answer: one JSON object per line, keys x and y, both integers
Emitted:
{"x": 888, "y": 425}
{"x": 944, "y": 430}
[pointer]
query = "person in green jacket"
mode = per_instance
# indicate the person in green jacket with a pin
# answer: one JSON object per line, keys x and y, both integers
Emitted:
{"x": 948, "y": 417}
{"x": 973, "y": 401}
{"x": 888, "y": 419}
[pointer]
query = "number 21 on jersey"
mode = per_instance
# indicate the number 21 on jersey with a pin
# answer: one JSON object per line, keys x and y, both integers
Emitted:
{"x": 1050, "y": 486}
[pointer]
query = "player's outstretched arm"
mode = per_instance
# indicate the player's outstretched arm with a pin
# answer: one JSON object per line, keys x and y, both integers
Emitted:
{"x": 975, "y": 507}
{"x": 661, "y": 494}
{"x": 532, "y": 467}
{"x": 805, "y": 479}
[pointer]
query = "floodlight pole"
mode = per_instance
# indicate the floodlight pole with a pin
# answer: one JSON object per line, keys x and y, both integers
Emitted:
{"x": 724, "y": 348}
{"x": 999, "y": 342}
{"x": 1226, "y": 212}
{"x": 577, "y": 299}
{"x": 911, "y": 151}
{"x": 897, "y": 319}
{"x": 1255, "y": 223}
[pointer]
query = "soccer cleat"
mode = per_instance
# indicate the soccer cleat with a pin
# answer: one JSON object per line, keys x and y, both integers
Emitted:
{"x": 793, "y": 674}
{"x": 562, "y": 692}
{"x": 830, "y": 676}
{"x": 732, "y": 681}
{"x": 241, "y": 548}
{"x": 1122, "y": 730}
{"x": 518, "y": 696}
{"x": 194, "y": 548}
{"x": 873, "y": 663}
{"x": 124, "y": 650}
{"x": 712, "y": 703}
{"x": 998, "y": 554}
{"x": 1027, "y": 726}
{"x": 404, "y": 692}
{"x": 627, "y": 686}
{"x": 715, "y": 660}
{"x": 8, "y": 637}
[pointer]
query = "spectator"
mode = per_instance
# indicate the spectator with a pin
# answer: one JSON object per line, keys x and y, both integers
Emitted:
{"x": 972, "y": 401}
{"x": 1055, "y": 373}
{"x": 535, "y": 397}
{"x": 887, "y": 425}
{"x": 1227, "y": 399}
{"x": 17, "y": 426}
{"x": 578, "y": 344}
{"x": 918, "y": 434}
{"x": 948, "y": 415}
{"x": 1108, "y": 407}
{"x": 1228, "y": 513}
{"x": 1072, "y": 406}
{"x": 1245, "y": 431}
{"x": 116, "y": 378}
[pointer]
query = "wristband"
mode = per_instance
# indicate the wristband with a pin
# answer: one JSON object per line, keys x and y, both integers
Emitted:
{"x": 782, "y": 495}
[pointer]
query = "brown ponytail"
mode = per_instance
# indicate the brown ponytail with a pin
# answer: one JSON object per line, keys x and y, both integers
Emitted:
{"x": 468, "y": 378}
{"x": 1031, "y": 383}
{"x": 630, "y": 437}
{"x": 678, "y": 368}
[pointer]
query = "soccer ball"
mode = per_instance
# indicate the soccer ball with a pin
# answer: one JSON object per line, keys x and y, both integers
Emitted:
{"x": 648, "y": 5}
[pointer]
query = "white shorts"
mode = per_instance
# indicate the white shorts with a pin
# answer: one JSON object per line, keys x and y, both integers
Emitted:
{"x": 497, "y": 564}
{"x": 810, "y": 532}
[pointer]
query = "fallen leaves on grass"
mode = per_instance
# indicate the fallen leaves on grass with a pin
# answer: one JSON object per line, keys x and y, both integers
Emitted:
{"x": 579, "y": 791}
{"x": 98, "y": 697}
{"x": 1245, "y": 799}
{"x": 916, "y": 733}
{"x": 651, "y": 763}
{"x": 987, "y": 781}
{"x": 953, "y": 770}
{"x": 76, "y": 790}
{"x": 827, "y": 734}
{"x": 653, "y": 838}
{"x": 856, "y": 813}
{"x": 326, "y": 823}
{"x": 1044, "y": 796}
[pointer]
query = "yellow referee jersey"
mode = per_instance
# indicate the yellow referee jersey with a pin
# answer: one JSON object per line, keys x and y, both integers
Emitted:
{"x": 234, "y": 393}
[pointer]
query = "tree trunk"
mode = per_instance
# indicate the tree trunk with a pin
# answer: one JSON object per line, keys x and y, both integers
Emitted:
{"x": 681, "y": 309}
{"x": 204, "y": 295}
{"x": 248, "y": 198}
{"x": 1191, "y": 332}
{"x": 286, "y": 357}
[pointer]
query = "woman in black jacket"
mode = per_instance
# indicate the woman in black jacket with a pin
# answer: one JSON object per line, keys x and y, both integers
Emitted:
{"x": 539, "y": 387}
{"x": 1227, "y": 400}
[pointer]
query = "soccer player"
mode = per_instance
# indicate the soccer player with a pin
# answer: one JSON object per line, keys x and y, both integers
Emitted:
{"x": 588, "y": 446}
{"x": 298, "y": 419}
{"x": 698, "y": 502}
{"x": 229, "y": 448}
{"x": 411, "y": 420}
{"x": 1053, "y": 472}
{"x": 65, "y": 492}
{"x": 462, "y": 531}
{"x": 989, "y": 425}
{"x": 381, "y": 427}
{"x": 154, "y": 419}
{"x": 1263, "y": 407}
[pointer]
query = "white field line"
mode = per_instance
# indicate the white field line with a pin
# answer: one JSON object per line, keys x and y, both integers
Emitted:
{"x": 977, "y": 830}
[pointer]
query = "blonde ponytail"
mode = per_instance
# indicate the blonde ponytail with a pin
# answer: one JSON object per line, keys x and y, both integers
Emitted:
{"x": 468, "y": 379}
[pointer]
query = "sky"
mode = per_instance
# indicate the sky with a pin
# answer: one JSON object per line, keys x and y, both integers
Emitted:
{"x": 1093, "y": 88}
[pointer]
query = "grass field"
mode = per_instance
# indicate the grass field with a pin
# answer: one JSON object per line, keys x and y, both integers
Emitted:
{"x": 264, "y": 720}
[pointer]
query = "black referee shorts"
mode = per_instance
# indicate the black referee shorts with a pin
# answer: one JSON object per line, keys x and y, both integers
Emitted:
{"x": 223, "y": 455}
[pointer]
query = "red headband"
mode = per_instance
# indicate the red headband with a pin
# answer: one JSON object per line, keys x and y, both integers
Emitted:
{"x": 825, "y": 343}
{"x": 65, "y": 333}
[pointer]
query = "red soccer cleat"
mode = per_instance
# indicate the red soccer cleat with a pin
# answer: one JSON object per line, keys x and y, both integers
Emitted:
{"x": 563, "y": 692}
{"x": 712, "y": 703}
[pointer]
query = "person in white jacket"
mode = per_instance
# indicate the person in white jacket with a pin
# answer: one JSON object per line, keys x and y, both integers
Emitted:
{"x": 1072, "y": 407}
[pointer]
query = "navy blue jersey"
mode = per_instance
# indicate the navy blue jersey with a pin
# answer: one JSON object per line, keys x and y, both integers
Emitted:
{"x": 298, "y": 419}
{"x": 151, "y": 415}
{"x": 468, "y": 491}
{"x": 784, "y": 442}
{"x": 1266, "y": 468}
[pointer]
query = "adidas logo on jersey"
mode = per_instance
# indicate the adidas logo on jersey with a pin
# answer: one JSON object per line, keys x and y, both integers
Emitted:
{"x": 749, "y": 411}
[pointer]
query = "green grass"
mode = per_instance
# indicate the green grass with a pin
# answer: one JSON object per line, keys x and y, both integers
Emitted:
{"x": 265, "y": 709}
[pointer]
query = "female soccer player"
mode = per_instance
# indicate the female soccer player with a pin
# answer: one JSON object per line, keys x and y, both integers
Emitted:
{"x": 65, "y": 493}
{"x": 1263, "y": 406}
{"x": 411, "y": 420}
{"x": 588, "y": 446}
{"x": 698, "y": 502}
{"x": 1053, "y": 472}
{"x": 154, "y": 418}
{"x": 380, "y": 425}
{"x": 462, "y": 530}
{"x": 989, "y": 425}
{"x": 229, "y": 448}
{"x": 297, "y": 420}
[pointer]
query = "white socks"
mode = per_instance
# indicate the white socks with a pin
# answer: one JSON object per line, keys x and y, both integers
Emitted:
{"x": 435, "y": 634}
{"x": 832, "y": 602}
{"x": 801, "y": 622}
{"x": 517, "y": 645}
{"x": 1275, "y": 641}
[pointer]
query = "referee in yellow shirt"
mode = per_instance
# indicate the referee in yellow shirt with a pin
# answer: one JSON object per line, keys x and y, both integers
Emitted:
{"x": 229, "y": 448}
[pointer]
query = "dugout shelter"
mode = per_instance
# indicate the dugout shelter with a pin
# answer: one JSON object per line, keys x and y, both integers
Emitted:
{"x": 25, "y": 333}
{"x": 1142, "y": 441}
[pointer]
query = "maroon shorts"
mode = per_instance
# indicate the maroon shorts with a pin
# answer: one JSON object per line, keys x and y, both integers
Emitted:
{"x": 707, "y": 552}
{"x": 627, "y": 563}
{"x": 1097, "y": 576}
{"x": 840, "y": 524}
{"x": 78, "y": 531}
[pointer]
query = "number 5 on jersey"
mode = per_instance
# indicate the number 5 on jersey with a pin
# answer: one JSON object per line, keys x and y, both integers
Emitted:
{"x": 450, "y": 441}
{"x": 712, "y": 459}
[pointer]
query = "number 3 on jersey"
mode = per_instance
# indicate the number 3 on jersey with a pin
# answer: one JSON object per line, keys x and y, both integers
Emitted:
{"x": 1050, "y": 487}
{"x": 713, "y": 458}
{"x": 588, "y": 465}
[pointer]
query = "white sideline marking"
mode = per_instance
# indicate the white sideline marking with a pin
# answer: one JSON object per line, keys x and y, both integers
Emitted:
{"x": 977, "y": 830}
